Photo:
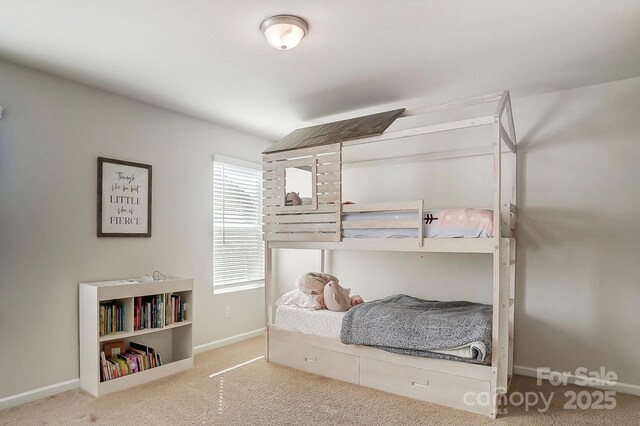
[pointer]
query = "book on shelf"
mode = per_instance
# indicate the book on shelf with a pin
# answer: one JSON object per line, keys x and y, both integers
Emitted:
{"x": 104, "y": 373}
{"x": 157, "y": 311}
{"x": 114, "y": 348}
{"x": 111, "y": 317}
{"x": 137, "y": 358}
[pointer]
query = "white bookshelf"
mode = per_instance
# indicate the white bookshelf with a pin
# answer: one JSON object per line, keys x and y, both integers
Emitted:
{"x": 173, "y": 342}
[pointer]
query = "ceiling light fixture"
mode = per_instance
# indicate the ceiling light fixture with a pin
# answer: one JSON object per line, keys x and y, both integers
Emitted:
{"x": 284, "y": 32}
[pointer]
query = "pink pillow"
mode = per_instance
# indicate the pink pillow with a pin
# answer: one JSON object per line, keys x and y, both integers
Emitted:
{"x": 298, "y": 299}
{"x": 461, "y": 223}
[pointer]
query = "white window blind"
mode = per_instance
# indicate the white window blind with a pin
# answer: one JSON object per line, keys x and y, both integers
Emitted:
{"x": 238, "y": 249}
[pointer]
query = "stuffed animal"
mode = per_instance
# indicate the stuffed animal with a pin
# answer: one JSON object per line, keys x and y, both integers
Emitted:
{"x": 336, "y": 298}
{"x": 292, "y": 199}
{"x": 356, "y": 300}
{"x": 332, "y": 297}
{"x": 312, "y": 283}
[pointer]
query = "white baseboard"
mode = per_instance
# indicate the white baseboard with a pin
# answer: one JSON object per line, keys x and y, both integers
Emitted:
{"x": 572, "y": 378}
{"x": 34, "y": 394}
{"x": 229, "y": 340}
{"x": 46, "y": 391}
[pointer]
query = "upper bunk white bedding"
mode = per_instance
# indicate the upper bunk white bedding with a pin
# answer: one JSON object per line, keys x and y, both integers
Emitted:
{"x": 325, "y": 323}
{"x": 447, "y": 223}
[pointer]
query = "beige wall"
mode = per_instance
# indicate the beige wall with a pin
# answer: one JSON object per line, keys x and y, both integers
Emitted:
{"x": 578, "y": 273}
{"x": 50, "y": 137}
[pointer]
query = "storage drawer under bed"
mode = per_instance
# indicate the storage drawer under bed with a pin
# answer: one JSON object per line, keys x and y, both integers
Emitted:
{"x": 426, "y": 385}
{"x": 323, "y": 362}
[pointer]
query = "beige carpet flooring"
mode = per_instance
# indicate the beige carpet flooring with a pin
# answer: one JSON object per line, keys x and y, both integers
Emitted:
{"x": 265, "y": 394}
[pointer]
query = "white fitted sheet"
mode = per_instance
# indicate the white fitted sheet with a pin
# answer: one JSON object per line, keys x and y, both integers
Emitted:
{"x": 322, "y": 322}
{"x": 325, "y": 323}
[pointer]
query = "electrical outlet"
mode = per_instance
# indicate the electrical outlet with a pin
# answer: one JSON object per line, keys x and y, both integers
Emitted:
{"x": 227, "y": 312}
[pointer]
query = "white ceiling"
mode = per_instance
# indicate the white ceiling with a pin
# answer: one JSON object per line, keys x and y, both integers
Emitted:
{"x": 208, "y": 59}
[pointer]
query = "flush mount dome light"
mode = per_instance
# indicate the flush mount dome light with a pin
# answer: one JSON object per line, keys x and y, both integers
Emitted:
{"x": 284, "y": 32}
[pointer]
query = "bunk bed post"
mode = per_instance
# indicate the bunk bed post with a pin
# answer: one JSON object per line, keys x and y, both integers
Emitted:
{"x": 502, "y": 306}
{"x": 501, "y": 264}
{"x": 495, "y": 352}
{"x": 503, "y": 261}
{"x": 421, "y": 223}
{"x": 513, "y": 222}
{"x": 268, "y": 296}
{"x": 512, "y": 304}
{"x": 509, "y": 216}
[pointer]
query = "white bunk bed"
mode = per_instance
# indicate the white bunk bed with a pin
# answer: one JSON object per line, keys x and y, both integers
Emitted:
{"x": 319, "y": 224}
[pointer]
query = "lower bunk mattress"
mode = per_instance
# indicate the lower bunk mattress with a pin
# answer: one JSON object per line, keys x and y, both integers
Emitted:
{"x": 325, "y": 323}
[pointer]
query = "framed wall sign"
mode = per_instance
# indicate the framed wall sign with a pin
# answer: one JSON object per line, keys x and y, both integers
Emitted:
{"x": 124, "y": 198}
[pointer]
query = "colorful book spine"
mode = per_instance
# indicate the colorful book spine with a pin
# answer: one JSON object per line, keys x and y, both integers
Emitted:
{"x": 111, "y": 317}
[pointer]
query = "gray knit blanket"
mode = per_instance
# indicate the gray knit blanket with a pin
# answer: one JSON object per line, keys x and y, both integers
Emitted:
{"x": 411, "y": 326}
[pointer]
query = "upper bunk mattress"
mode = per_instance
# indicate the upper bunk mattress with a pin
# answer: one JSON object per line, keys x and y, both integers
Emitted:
{"x": 448, "y": 223}
{"x": 325, "y": 323}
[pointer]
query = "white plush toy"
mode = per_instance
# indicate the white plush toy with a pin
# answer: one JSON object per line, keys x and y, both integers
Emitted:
{"x": 326, "y": 290}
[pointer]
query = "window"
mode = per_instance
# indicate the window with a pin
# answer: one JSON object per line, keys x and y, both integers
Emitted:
{"x": 238, "y": 249}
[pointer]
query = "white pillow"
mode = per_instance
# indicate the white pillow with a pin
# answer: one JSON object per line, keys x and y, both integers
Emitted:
{"x": 298, "y": 299}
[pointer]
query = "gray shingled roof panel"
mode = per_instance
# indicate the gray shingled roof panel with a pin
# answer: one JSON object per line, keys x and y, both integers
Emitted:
{"x": 339, "y": 131}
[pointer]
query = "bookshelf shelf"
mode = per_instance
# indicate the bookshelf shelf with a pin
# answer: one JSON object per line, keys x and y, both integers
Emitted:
{"x": 115, "y": 336}
{"x": 142, "y": 377}
{"x": 125, "y": 334}
{"x": 173, "y": 341}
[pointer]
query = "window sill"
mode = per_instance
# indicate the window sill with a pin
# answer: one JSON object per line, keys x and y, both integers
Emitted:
{"x": 239, "y": 287}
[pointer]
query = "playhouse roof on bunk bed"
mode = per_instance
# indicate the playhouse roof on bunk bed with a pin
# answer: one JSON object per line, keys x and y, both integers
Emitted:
{"x": 338, "y": 131}
{"x": 372, "y": 128}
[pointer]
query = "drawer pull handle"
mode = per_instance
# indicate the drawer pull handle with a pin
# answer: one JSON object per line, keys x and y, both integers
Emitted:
{"x": 419, "y": 385}
{"x": 310, "y": 359}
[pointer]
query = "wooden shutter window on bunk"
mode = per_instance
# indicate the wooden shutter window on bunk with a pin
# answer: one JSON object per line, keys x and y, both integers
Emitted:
{"x": 319, "y": 218}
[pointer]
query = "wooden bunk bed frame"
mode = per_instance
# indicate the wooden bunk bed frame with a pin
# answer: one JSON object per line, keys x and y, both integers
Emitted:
{"x": 471, "y": 387}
